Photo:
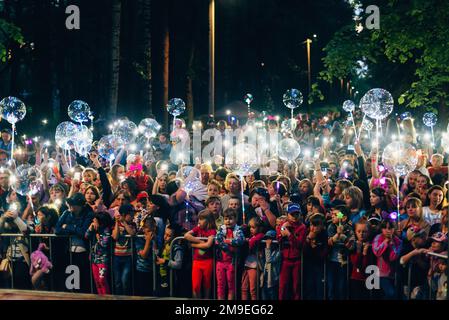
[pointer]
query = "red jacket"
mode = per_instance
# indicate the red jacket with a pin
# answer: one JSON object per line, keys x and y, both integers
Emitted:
{"x": 292, "y": 245}
{"x": 359, "y": 263}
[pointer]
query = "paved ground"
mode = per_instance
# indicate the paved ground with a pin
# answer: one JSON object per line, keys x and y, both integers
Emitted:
{"x": 46, "y": 295}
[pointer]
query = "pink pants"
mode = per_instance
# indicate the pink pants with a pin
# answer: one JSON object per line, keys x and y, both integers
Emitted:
{"x": 100, "y": 274}
{"x": 225, "y": 275}
{"x": 249, "y": 281}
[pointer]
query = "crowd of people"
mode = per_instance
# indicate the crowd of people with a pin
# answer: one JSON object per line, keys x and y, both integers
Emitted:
{"x": 315, "y": 228}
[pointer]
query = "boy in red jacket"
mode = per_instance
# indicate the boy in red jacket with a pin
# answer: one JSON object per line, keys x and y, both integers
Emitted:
{"x": 291, "y": 236}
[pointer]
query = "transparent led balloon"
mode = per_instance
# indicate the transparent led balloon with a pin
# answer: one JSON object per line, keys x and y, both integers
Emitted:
{"x": 377, "y": 103}
{"x": 149, "y": 128}
{"x": 176, "y": 107}
{"x": 430, "y": 119}
{"x": 65, "y": 135}
{"x": 125, "y": 131}
{"x": 348, "y": 106}
{"x": 406, "y": 115}
{"x": 292, "y": 98}
{"x": 289, "y": 149}
{"x": 13, "y": 109}
{"x": 367, "y": 125}
{"x": 400, "y": 157}
{"x": 288, "y": 125}
{"x": 108, "y": 145}
{"x": 242, "y": 159}
{"x": 79, "y": 111}
{"x": 188, "y": 172}
{"x": 83, "y": 140}
{"x": 28, "y": 180}
{"x": 248, "y": 98}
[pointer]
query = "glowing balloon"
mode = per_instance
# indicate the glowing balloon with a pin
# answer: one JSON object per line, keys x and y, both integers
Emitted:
{"x": 288, "y": 125}
{"x": 149, "y": 128}
{"x": 28, "y": 180}
{"x": 108, "y": 145}
{"x": 348, "y": 106}
{"x": 289, "y": 149}
{"x": 377, "y": 103}
{"x": 406, "y": 115}
{"x": 79, "y": 111}
{"x": 242, "y": 159}
{"x": 83, "y": 140}
{"x": 367, "y": 125}
{"x": 125, "y": 131}
{"x": 430, "y": 119}
{"x": 13, "y": 109}
{"x": 176, "y": 107}
{"x": 292, "y": 98}
{"x": 400, "y": 157}
{"x": 248, "y": 98}
{"x": 65, "y": 135}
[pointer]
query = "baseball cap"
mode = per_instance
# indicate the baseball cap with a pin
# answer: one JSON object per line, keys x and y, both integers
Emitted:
{"x": 271, "y": 234}
{"x": 142, "y": 195}
{"x": 293, "y": 207}
{"x": 439, "y": 237}
{"x": 77, "y": 200}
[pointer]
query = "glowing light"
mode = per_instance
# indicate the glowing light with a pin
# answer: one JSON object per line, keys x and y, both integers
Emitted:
{"x": 47, "y": 143}
{"x": 228, "y": 112}
{"x": 393, "y": 215}
{"x": 277, "y": 118}
{"x": 164, "y": 167}
{"x": 307, "y": 153}
{"x": 13, "y": 207}
{"x": 427, "y": 137}
{"x": 12, "y": 179}
{"x": 133, "y": 147}
{"x": 44, "y": 121}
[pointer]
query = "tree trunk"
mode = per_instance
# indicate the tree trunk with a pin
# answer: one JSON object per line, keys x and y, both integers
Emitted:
{"x": 189, "y": 89}
{"x": 147, "y": 56}
{"x": 166, "y": 70}
{"x": 115, "y": 58}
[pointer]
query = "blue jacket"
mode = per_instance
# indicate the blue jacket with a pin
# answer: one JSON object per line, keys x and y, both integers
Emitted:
{"x": 76, "y": 226}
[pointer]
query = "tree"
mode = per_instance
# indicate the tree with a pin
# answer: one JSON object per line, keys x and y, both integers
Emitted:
{"x": 115, "y": 57}
{"x": 166, "y": 61}
{"x": 410, "y": 48}
{"x": 147, "y": 55}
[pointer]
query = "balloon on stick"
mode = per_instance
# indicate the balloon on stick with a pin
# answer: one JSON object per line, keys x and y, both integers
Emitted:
{"x": 248, "y": 98}
{"x": 242, "y": 160}
{"x": 377, "y": 104}
{"x": 401, "y": 158}
{"x": 79, "y": 111}
{"x": 430, "y": 120}
{"x": 13, "y": 110}
{"x": 349, "y": 106}
{"x": 176, "y": 107}
{"x": 292, "y": 99}
{"x": 289, "y": 150}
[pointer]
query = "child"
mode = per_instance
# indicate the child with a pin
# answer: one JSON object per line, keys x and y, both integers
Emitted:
{"x": 315, "y": 253}
{"x": 235, "y": 203}
{"x": 229, "y": 236}
{"x": 439, "y": 245}
{"x": 146, "y": 247}
{"x": 291, "y": 236}
{"x": 249, "y": 277}
{"x": 271, "y": 267}
{"x": 413, "y": 253}
{"x": 124, "y": 226}
{"x": 387, "y": 247}
{"x": 164, "y": 261}
{"x": 99, "y": 235}
{"x": 340, "y": 241}
{"x": 361, "y": 257}
{"x": 202, "y": 267}
{"x": 213, "y": 205}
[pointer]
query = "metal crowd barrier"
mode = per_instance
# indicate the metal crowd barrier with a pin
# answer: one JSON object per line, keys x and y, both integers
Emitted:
{"x": 50, "y": 237}
{"x": 31, "y": 247}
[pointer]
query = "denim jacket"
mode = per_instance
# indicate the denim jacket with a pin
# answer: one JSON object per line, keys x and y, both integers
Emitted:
{"x": 76, "y": 226}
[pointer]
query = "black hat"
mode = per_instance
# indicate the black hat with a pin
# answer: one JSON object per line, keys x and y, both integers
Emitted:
{"x": 77, "y": 200}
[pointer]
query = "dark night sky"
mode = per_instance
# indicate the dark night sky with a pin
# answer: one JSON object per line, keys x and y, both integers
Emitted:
{"x": 258, "y": 49}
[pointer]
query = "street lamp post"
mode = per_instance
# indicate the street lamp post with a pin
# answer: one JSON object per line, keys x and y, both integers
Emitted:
{"x": 212, "y": 57}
